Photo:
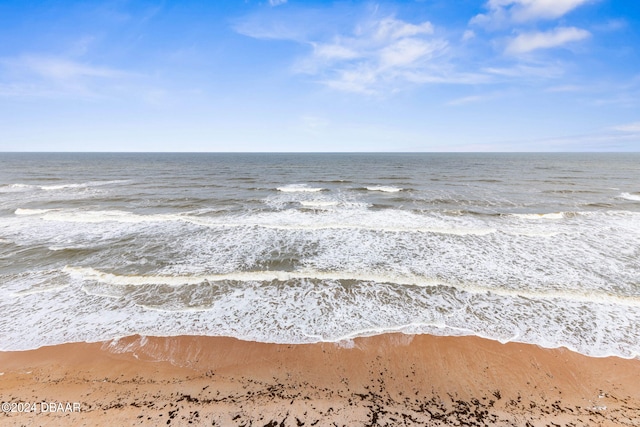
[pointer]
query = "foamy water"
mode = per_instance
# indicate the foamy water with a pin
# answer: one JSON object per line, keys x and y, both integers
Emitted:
{"x": 540, "y": 249}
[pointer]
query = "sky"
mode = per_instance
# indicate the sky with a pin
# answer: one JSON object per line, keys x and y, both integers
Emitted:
{"x": 307, "y": 76}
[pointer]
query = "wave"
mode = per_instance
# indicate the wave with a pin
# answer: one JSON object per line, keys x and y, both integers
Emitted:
{"x": 350, "y": 219}
{"x": 316, "y": 215}
{"x": 331, "y": 181}
{"x": 385, "y": 188}
{"x": 56, "y": 248}
{"x": 80, "y": 216}
{"x": 83, "y": 184}
{"x": 307, "y": 312}
{"x": 299, "y": 188}
{"x": 598, "y": 205}
{"x": 16, "y": 188}
{"x": 554, "y": 215}
{"x": 312, "y": 305}
{"x": 19, "y": 187}
{"x": 88, "y": 273}
{"x": 628, "y": 196}
{"x": 22, "y": 211}
{"x": 318, "y": 203}
{"x": 567, "y": 191}
{"x": 592, "y": 297}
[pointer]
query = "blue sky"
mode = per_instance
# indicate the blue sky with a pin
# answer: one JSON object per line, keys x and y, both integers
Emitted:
{"x": 425, "y": 75}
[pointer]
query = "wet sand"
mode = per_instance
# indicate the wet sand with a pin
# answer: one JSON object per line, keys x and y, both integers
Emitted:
{"x": 391, "y": 379}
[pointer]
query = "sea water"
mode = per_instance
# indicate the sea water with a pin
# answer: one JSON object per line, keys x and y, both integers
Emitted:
{"x": 302, "y": 248}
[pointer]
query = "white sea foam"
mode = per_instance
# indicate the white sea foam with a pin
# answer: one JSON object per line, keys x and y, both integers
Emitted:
{"x": 629, "y": 196}
{"x": 299, "y": 188}
{"x": 305, "y": 311}
{"x": 83, "y": 216}
{"x": 67, "y": 247}
{"x": 81, "y": 184}
{"x": 349, "y": 218}
{"x": 339, "y": 215}
{"x": 19, "y": 187}
{"x": 391, "y": 229}
{"x": 305, "y": 265}
{"x": 16, "y": 188}
{"x": 35, "y": 282}
{"x": 39, "y": 290}
{"x": 61, "y": 186}
{"x": 384, "y": 188}
{"x": 318, "y": 203}
{"x": 530, "y": 233}
{"x": 87, "y": 273}
{"x": 21, "y": 211}
{"x": 554, "y": 215}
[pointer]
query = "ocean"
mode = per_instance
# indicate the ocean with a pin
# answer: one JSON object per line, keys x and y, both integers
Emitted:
{"x": 302, "y": 248}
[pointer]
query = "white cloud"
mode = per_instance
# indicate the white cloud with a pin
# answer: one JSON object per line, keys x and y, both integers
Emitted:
{"x": 56, "y": 68}
{"x": 468, "y": 35}
{"x": 524, "y": 71}
{"x": 385, "y": 54}
{"x": 335, "y": 51}
{"x": 527, "y": 42}
{"x": 53, "y": 76}
{"x": 380, "y": 55}
{"x": 361, "y": 79}
{"x": 502, "y": 12}
{"x": 406, "y": 52}
{"x": 393, "y": 29}
{"x": 544, "y": 9}
{"x": 277, "y": 2}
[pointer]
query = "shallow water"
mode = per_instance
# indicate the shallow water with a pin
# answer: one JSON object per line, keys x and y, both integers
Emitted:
{"x": 293, "y": 248}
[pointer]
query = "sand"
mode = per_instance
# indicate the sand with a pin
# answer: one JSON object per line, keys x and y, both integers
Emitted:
{"x": 391, "y": 379}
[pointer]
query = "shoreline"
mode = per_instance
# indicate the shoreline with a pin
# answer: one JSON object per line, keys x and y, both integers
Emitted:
{"x": 389, "y": 379}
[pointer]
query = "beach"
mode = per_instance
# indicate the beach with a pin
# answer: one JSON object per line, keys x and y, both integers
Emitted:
{"x": 391, "y": 379}
{"x": 319, "y": 289}
{"x": 281, "y": 213}
{"x": 306, "y": 248}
